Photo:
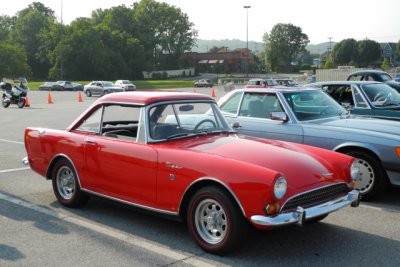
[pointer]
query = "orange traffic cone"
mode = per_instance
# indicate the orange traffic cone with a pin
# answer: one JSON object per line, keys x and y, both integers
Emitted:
{"x": 213, "y": 92}
{"x": 27, "y": 102}
{"x": 80, "y": 97}
{"x": 49, "y": 99}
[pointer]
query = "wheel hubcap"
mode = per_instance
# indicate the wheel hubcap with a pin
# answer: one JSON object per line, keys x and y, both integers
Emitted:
{"x": 211, "y": 222}
{"x": 366, "y": 178}
{"x": 65, "y": 182}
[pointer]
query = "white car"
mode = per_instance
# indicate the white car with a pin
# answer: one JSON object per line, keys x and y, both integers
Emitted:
{"x": 126, "y": 84}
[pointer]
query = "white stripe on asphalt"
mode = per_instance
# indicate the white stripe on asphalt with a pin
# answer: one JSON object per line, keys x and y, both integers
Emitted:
{"x": 10, "y": 141}
{"x": 131, "y": 239}
{"x": 15, "y": 170}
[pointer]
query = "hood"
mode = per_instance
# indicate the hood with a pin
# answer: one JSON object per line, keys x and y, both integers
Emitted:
{"x": 301, "y": 169}
{"x": 363, "y": 126}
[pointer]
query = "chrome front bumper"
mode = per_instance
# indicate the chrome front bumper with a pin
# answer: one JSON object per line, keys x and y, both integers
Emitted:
{"x": 25, "y": 161}
{"x": 301, "y": 214}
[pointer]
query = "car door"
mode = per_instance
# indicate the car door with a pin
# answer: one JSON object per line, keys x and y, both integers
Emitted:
{"x": 119, "y": 168}
{"x": 250, "y": 114}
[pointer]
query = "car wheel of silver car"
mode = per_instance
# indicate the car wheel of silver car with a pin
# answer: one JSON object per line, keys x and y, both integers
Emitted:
{"x": 372, "y": 179}
{"x": 215, "y": 221}
{"x": 66, "y": 186}
{"x": 88, "y": 93}
{"x": 105, "y": 92}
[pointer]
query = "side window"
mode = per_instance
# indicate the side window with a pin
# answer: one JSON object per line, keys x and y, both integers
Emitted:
{"x": 360, "y": 103}
{"x": 92, "y": 123}
{"x": 232, "y": 105}
{"x": 254, "y": 105}
{"x": 346, "y": 96}
{"x": 121, "y": 122}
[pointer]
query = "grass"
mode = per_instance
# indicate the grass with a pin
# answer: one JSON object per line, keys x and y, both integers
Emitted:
{"x": 140, "y": 85}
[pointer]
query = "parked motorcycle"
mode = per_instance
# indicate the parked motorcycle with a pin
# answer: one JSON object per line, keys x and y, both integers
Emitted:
{"x": 14, "y": 93}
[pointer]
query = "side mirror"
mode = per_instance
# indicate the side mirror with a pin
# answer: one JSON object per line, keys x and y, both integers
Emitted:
{"x": 279, "y": 116}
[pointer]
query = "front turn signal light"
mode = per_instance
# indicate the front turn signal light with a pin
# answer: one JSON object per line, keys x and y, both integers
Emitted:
{"x": 272, "y": 208}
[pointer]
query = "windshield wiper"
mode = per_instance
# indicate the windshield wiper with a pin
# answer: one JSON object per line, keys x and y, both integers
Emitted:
{"x": 178, "y": 135}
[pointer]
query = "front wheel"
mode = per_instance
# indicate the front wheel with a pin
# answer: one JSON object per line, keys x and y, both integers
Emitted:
{"x": 66, "y": 186}
{"x": 88, "y": 93}
{"x": 21, "y": 102}
{"x": 215, "y": 221}
{"x": 372, "y": 179}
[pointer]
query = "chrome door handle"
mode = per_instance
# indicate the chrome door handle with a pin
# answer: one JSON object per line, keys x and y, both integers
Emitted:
{"x": 89, "y": 141}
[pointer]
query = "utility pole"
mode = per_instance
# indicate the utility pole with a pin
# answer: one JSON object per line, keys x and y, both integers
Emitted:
{"x": 61, "y": 43}
{"x": 247, "y": 40}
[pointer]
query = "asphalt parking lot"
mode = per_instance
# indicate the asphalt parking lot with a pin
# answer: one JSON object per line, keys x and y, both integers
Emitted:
{"x": 36, "y": 230}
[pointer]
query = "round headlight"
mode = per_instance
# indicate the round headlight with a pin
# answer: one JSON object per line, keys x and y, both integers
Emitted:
{"x": 354, "y": 170}
{"x": 280, "y": 187}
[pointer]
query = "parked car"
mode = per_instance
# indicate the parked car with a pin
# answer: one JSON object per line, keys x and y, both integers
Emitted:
{"x": 372, "y": 99}
{"x": 77, "y": 86}
{"x": 374, "y": 75}
{"x": 287, "y": 82}
{"x": 312, "y": 117}
{"x": 173, "y": 153}
{"x": 203, "y": 83}
{"x": 261, "y": 83}
{"x": 65, "y": 85}
{"x": 49, "y": 86}
{"x": 101, "y": 88}
{"x": 126, "y": 84}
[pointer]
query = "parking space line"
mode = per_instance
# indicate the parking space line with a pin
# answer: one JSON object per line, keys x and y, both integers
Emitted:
{"x": 15, "y": 170}
{"x": 131, "y": 239}
{"x": 10, "y": 141}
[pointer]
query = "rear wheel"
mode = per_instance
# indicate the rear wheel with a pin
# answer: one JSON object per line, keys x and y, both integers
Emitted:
{"x": 5, "y": 103}
{"x": 66, "y": 186}
{"x": 215, "y": 221}
{"x": 372, "y": 179}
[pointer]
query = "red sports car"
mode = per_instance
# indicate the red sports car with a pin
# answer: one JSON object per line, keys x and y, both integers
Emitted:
{"x": 174, "y": 153}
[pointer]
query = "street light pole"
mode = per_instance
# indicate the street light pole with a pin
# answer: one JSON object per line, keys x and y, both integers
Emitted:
{"x": 247, "y": 40}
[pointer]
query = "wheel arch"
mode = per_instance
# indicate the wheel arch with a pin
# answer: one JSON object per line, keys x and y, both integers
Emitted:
{"x": 53, "y": 162}
{"x": 203, "y": 182}
{"x": 352, "y": 147}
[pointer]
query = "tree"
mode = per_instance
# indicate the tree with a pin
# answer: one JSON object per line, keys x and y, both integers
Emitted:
{"x": 283, "y": 43}
{"x": 328, "y": 64}
{"x": 6, "y": 25}
{"x": 385, "y": 64}
{"x": 345, "y": 52}
{"x": 368, "y": 52}
{"x": 29, "y": 23}
{"x": 13, "y": 61}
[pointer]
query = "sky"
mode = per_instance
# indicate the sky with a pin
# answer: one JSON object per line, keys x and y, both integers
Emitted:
{"x": 321, "y": 20}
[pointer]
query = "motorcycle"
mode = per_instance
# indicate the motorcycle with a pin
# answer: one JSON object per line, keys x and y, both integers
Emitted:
{"x": 14, "y": 94}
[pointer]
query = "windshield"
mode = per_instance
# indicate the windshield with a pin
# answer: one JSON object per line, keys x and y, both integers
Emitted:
{"x": 180, "y": 120}
{"x": 313, "y": 105}
{"x": 126, "y": 82}
{"x": 381, "y": 95}
{"x": 271, "y": 82}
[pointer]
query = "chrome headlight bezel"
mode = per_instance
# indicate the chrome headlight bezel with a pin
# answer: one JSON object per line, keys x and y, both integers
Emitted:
{"x": 354, "y": 170}
{"x": 280, "y": 187}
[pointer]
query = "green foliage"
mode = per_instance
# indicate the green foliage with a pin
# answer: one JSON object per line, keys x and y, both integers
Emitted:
{"x": 368, "y": 52}
{"x": 13, "y": 61}
{"x": 345, "y": 52}
{"x": 385, "y": 64}
{"x": 283, "y": 43}
{"x": 328, "y": 64}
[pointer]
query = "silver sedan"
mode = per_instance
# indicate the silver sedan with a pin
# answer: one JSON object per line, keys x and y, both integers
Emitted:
{"x": 312, "y": 117}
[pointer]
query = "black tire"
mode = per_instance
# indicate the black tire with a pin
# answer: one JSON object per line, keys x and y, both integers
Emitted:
{"x": 21, "y": 102}
{"x": 105, "y": 92}
{"x": 5, "y": 104}
{"x": 317, "y": 219}
{"x": 66, "y": 185}
{"x": 372, "y": 181}
{"x": 88, "y": 93}
{"x": 224, "y": 229}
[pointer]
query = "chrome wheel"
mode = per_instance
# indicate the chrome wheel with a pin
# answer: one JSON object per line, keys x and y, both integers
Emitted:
{"x": 210, "y": 221}
{"x": 65, "y": 180}
{"x": 366, "y": 178}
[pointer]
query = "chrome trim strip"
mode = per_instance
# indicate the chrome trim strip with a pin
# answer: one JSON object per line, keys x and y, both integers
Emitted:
{"x": 70, "y": 161}
{"x": 131, "y": 203}
{"x": 214, "y": 180}
{"x": 301, "y": 215}
{"x": 303, "y": 193}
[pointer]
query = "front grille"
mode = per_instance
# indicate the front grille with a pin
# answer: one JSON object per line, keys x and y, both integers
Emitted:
{"x": 315, "y": 197}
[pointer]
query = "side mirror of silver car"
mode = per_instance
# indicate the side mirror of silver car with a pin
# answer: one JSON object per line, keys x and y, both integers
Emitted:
{"x": 279, "y": 116}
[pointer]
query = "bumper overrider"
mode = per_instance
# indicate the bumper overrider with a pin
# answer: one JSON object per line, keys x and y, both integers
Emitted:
{"x": 303, "y": 214}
